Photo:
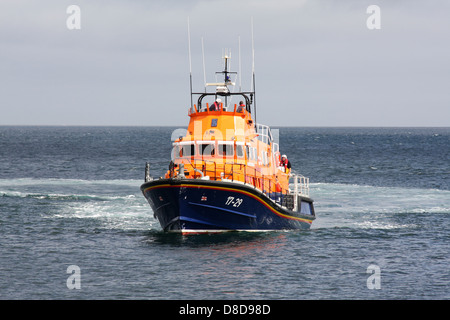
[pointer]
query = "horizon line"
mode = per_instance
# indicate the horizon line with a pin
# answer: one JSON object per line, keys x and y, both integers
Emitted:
{"x": 185, "y": 126}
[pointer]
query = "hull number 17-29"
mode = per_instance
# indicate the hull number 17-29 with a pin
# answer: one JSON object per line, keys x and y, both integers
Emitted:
{"x": 232, "y": 201}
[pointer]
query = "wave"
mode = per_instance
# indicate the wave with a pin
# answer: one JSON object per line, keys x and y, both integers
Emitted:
{"x": 120, "y": 202}
{"x": 318, "y": 185}
{"x": 69, "y": 189}
{"x": 61, "y": 197}
{"x": 57, "y": 181}
{"x": 328, "y": 197}
{"x": 112, "y": 203}
{"x": 369, "y": 207}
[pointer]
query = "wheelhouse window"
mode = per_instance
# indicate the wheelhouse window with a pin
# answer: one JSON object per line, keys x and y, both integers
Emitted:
{"x": 185, "y": 150}
{"x": 251, "y": 153}
{"x": 207, "y": 149}
{"x": 239, "y": 150}
{"x": 265, "y": 158}
{"x": 226, "y": 149}
{"x": 254, "y": 157}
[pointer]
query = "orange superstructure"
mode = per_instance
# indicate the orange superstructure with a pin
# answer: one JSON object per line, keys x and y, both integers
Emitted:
{"x": 224, "y": 143}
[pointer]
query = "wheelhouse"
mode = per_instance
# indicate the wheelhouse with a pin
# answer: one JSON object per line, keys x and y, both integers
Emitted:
{"x": 204, "y": 149}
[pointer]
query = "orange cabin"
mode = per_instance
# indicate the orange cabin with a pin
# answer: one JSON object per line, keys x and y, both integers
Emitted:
{"x": 227, "y": 145}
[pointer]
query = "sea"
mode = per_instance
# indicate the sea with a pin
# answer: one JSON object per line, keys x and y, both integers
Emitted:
{"x": 74, "y": 224}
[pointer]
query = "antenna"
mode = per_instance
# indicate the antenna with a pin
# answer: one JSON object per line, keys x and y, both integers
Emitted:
{"x": 190, "y": 60}
{"x": 253, "y": 75}
{"x": 203, "y": 58}
{"x": 240, "y": 73}
{"x": 253, "y": 58}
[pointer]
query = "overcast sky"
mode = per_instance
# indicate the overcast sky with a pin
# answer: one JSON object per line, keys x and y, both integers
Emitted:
{"x": 316, "y": 61}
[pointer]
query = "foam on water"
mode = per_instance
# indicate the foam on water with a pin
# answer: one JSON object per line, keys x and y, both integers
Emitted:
{"x": 342, "y": 205}
{"x": 119, "y": 204}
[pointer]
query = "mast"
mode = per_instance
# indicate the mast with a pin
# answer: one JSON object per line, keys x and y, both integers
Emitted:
{"x": 253, "y": 76}
{"x": 190, "y": 62}
{"x": 225, "y": 71}
{"x": 240, "y": 73}
{"x": 203, "y": 59}
{"x": 221, "y": 87}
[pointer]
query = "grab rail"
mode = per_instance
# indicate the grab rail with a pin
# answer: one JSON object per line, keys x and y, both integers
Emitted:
{"x": 301, "y": 184}
{"x": 249, "y": 175}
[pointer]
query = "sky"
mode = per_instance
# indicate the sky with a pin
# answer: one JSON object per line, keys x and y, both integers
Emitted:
{"x": 317, "y": 62}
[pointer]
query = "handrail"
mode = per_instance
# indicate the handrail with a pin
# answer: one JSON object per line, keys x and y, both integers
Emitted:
{"x": 264, "y": 133}
{"x": 246, "y": 174}
{"x": 301, "y": 184}
{"x": 194, "y": 110}
{"x": 249, "y": 175}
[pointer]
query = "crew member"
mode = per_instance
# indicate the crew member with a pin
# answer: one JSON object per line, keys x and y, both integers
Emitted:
{"x": 278, "y": 187}
{"x": 278, "y": 190}
{"x": 216, "y": 105}
{"x": 285, "y": 163}
{"x": 241, "y": 107}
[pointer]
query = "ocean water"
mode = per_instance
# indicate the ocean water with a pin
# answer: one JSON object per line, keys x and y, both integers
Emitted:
{"x": 69, "y": 196}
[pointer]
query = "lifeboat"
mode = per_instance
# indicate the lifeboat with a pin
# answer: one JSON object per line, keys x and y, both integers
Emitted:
{"x": 225, "y": 173}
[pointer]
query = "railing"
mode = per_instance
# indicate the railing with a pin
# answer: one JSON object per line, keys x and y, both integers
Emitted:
{"x": 264, "y": 133}
{"x": 301, "y": 187}
{"x": 230, "y": 108}
{"x": 249, "y": 175}
{"x": 301, "y": 184}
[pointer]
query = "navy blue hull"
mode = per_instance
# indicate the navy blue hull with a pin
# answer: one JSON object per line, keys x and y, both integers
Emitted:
{"x": 187, "y": 205}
